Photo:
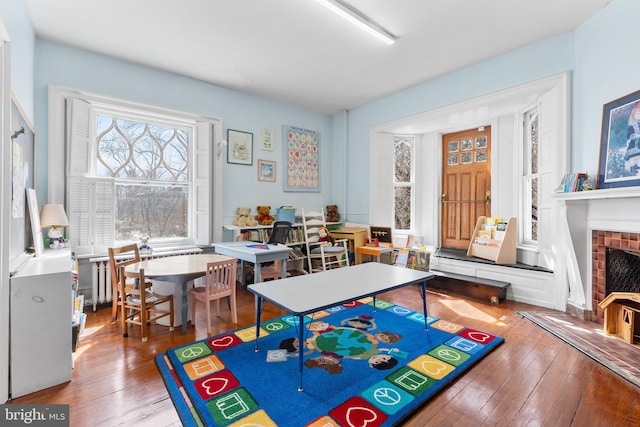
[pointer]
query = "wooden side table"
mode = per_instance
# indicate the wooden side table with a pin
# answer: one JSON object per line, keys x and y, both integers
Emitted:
{"x": 357, "y": 237}
{"x": 375, "y": 251}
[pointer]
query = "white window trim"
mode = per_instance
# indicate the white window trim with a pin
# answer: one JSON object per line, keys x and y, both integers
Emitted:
{"x": 208, "y": 168}
{"x": 524, "y": 157}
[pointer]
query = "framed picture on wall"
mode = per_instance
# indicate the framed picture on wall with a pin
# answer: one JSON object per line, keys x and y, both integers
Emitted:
{"x": 239, "y": 147}
{"x": 267, "y": 139}
{"x": 266, "y": 170}
{"x": 620, "y": 143}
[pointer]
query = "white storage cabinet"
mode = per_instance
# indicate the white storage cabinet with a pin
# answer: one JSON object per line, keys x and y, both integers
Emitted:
{"x": 41, "y": 307}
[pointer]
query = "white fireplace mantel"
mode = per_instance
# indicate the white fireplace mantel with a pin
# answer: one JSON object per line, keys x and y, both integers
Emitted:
{"x": 607, "y": 193}
{"x": 611, "y": 209}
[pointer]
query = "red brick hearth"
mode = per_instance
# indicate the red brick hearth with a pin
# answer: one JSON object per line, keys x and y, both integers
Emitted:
{"x": 600, "y": 240}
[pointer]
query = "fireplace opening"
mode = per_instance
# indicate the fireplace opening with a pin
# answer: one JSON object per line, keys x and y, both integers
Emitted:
{"x": 603, "y": 242}
{"x": 622, "y": 271}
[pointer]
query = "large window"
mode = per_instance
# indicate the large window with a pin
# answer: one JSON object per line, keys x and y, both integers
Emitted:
{"x": 134, "y": 171}
{"x": 150, "y": 165}
{"x": 403, "y": 182}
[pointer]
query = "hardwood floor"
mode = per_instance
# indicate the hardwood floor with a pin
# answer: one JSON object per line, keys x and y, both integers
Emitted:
{"x": 532, "y": 379}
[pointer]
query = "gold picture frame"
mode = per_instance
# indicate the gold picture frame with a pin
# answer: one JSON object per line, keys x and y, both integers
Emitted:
{"x": 266, "y": 170}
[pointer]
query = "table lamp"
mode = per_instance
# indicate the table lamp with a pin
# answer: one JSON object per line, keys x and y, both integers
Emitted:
{"x": 53, "y": 217}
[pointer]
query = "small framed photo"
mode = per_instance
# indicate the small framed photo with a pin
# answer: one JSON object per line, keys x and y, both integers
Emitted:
{"x": 239, "y": 147}
{"x": 620, "y": 143}
{"x": 267, "y": 139}
{"x": 266, "y": 170}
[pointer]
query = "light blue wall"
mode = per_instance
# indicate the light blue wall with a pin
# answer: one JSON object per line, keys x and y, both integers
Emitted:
{"x": 67, "y": 66}
{"x": 607, "y": 64}
{"x": 531, "y": 63}
{"x": 17, "y": 23}
{"x": 600, "y": 54}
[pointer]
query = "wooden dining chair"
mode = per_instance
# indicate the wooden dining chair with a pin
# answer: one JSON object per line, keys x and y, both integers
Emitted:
{"x": 118, "y": 258}
{"x": 220, "y": 282}
{"x": 139, "y": 305}
{"x": 279, "y": 235}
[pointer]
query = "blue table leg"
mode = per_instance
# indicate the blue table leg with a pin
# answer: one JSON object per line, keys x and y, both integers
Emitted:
{"x": 258, "y": 316}
{"x": 301, "y": 348}
{"x": 424, "y": 303}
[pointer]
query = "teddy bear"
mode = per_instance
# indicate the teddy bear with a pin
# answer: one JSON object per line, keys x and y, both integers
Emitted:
{"x": 332, "y": 213}
{"x": 145, "y": 248}
{"x": 242, "y": 219}
{"x": 325, "y": 237}
{"x": 264, "y": 216}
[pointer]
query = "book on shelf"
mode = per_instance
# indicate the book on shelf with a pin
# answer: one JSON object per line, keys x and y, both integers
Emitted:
{"x": 492, "y": 221}
{"x": 421, "y": 260}
{"x": 572, "y": 182}
{"x": 413, "y": 240}
{"x": 501, "y": 230}
{"x": 403, "y": 257}
{"x": 296, "y": 253}
{"x": 484, "y": 234}
{"x": 487, "y": 242}
{"x": 262, "y": 234}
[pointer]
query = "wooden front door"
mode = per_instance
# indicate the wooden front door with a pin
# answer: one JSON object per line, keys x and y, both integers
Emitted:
{"x": 466, "y": 184}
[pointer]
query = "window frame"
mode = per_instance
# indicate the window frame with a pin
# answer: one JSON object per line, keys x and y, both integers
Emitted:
{"x": 411, "y": 185}
{"x": 526, "y": 176}
{"x": 205, "y": 197}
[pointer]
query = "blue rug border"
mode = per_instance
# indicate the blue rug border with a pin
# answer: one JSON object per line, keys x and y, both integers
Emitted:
{"x": 177, "y": 398}
{"x": 186, "y": 413}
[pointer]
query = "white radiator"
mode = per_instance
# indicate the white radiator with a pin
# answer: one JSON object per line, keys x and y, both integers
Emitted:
{"x": 101, "y": 289}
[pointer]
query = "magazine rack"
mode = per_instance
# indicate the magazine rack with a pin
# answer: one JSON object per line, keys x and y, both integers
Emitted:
{"x": 501, "y": 251}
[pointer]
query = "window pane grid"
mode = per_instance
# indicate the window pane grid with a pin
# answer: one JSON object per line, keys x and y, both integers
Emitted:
{"x": 150, "y": 163}
{"x": 403, "y": 181}
{"x": 135, "y": 150}
{"x": 403, "y": 157}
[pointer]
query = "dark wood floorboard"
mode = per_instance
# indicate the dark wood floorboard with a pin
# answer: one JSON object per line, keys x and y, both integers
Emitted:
{"x": 532, "y": 379}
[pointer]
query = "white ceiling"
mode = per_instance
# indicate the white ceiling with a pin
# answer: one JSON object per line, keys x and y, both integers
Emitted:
{"x": 298, "y": 52}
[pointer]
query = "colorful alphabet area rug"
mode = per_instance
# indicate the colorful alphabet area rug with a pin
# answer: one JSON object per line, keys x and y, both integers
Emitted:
{"x": 363, "y": 366}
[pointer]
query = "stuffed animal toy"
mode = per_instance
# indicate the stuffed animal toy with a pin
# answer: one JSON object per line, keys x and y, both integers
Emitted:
{"x": 264, "y": 215}
{"x": 332, "y": 213}
{"x": 144, "y": 246}
{"x": 242, "y": 219}
{"x": 325, "y": 237}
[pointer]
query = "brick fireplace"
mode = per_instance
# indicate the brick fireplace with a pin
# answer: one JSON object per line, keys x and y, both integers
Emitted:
{"x": 601, "y": 240}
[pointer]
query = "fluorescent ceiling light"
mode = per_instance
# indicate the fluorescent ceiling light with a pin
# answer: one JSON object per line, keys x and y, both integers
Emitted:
{"x": 358, "y": 19}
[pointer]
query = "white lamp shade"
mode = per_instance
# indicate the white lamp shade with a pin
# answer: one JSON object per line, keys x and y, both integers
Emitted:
{"x": 53, "y": 216}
